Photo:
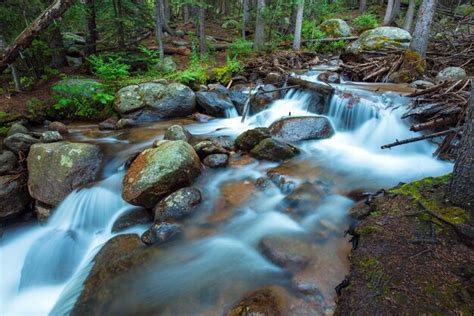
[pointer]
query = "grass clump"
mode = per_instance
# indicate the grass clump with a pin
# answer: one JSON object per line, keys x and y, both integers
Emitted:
{"x": 365, "y": 22}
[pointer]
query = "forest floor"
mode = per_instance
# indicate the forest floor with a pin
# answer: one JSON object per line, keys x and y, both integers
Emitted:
{"x": 407, "y": 262}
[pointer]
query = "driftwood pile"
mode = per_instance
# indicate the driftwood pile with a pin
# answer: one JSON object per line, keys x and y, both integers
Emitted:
{"x": 372, "y": 66}
{"x": 283, "y": 62}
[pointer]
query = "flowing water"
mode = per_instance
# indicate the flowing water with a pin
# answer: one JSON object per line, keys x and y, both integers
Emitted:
{"x": 42, "y": 268}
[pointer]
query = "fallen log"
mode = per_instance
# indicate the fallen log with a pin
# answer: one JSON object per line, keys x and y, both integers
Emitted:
{"x": 416, "y": 139}
{"x": 42, "y": 22}
{"x": 323, "y": 89}
{"x": 439, "y": 122}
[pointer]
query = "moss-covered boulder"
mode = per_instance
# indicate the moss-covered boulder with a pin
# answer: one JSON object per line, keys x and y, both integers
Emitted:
{"x": 159, "y": 171}
{"x": 273, "y": 150}
{"x": 381, "y": 38}
{"x": 451, "y": 74}
{"x": 56, "y": 169}
{"x": 153, "y": 100}
{"x": 251, "y": 138}
{"x": 336, "y": 28}
{"x": 302, "y": 128}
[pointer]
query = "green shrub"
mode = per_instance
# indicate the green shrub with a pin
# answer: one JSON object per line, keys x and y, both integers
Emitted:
{"x": 232, "y": 66}
{"x": 36, "y": 109}
{"x": 241, "y": 48}
{"x": 365, "y": 22}
{"x": 89, "y": 100}
{"x": 196, "y": 71}
{"x": 109, "y": 69}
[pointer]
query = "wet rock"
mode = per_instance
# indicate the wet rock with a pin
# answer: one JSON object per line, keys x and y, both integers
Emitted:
{"x": 273, "y": 78}
{"x": 202, "y": 118}
{"x": 166, "y": 66}
{"x": 263, "y": 183}
{"x": 43, "y": 211}
{"x": 292, "y": 252}
{"x": 14, "y": 197}
{"x": 8, "y": 162}
{"x": 421, "y": 84}
{"x": 56, "y": 169}
{"x": 177, "y": 132}
{"x": 177, "y": 205}
{"x": 302, "y": 128}
{"x": 159, "y": 171}
{"x": 158, "y": 234}
{"x": 17, "y": 128}
{"x": 330, "y": 76}
{"x": 108, "y": 124}
{"x": 125, "y": 123}
{"x": 58, "y": 127}
{"x": 214, "y": 103}
{"x": 50, "y": 137}
{"x": 208, "y": 147}
{"x": 216, "y": 160}
{"x": 225, "y": 142}
{"x": 239, "y": 99}
{"x": 273, "y": 150}
{"x": 359, "y": 211}
{"x": 260, "y": 101}
{"x": 238, "y": 160}
{"x": 179, "y": 33}
{"x": 451, "y": 74}
{"x": 285, "y": 186}
{"x": 251, "y": 138}
{"x": 305, "y": 198}
{"x": 381, "y": 38}
{"x": 20, "y": 142}
{"x": 336, "y": 28}
{"x": 268, "y": 301}
{"x": 152, "y": 100}
{"x": 138, "y": 216}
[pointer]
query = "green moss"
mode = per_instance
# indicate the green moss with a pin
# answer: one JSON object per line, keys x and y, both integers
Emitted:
{"x": 367, "y": 230}
{"x": 374, "y": 276}
{"x": 4, "y": 130}
{"x": 414, "y": 190}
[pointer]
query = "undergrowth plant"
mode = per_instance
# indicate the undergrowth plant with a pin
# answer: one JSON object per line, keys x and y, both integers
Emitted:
{"x": 224, "y": 74}
{"x": 240, "y": 48}
{"x": 109, "y": 69}
{"x": 365, "y": 22}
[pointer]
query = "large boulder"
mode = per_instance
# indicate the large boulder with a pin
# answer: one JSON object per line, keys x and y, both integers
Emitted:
{"x": 273, "y": 150}
{"x": 8, "y": 162}
{"x": 381, "y": 38}
{"x": 20, "y": 142}
{"x": 215, "y": 103}
{"x": 14, "y": 197}
{"x": 177, "y": 132}
{"x": 159, "y": 171}
{"x": 251, "y": 138}
{"x": 336, "y": 28}
{"x": 177, "y": 205}
{"x": 302, "y": 128}
{"x": 153, "y": 100}
{"x": 451, "y": 74}
{"x": 56, "y": 169}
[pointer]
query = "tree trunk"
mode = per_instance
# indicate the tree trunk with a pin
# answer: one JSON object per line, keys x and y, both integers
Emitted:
{"x": 298, "y": 25}
{"x": 259, "y": 26}
{"x": 407, "y": 25}
{"x": 58, "y": 58}
{"x": 167, "y": 10}
{"x": 419, "y": 42}
{"x": 245, "y": 18}
{"x": 119, "y": 23}
{"x": 362, "y": 5}
{"x": 91, "y": 28}
{"x": 16, "y": 78}
{"x": 388, "y": 13}
{"x": 396, "y": 9}
{"x": 42, "y": 22}
{"x": 202, "y": 34}
{"x": 159, "y": 28}
{"x": 461, "y": 187}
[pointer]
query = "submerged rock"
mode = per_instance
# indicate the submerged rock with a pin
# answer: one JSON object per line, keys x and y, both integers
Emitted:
{"x": 158, "y": 234}
{"x": 56, "y": 169}
{"x": 125, "y": 123}
{"x": 157, "y": 172}
{"x": 20, "y": 142}
{"x": 177, "y": 205}
{"x": 108, "y": 124}
{"x": 381, "y": 38}
{"x": 14, "y": 197}
{"x": 268, "y": 301}
{"x": 302, "y": 128}
{"x": 208, "y": 147}
{"x": 305, "y": 198}
{"x": 451, "y": 74}
{"x": 251, "y": 138}
{"x": 214, "y": 103}
{"x": 216, "y": 160}
{"x": 273, "y": 150}
{"x": 177, "y": 132}
{"x": 8, "y": 162}
{"x": 292, "y": 252}
{"x": 134, "y": 217}
{"x": 153, "y": 100}
{"x": 58, "y": 127}
{"x": 336, "y": 28}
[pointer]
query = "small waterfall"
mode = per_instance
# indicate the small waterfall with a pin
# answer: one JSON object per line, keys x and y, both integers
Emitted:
{"x": 231, "y": 112}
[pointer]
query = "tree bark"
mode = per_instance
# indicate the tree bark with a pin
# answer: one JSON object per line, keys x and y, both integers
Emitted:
{"x": 419, "y": 42}
{"x": 396, "y": 9}
{"x": 259, "y": 26}
{"x": 245, "y": 18}
{"x": 407, "y": 25}
{"x": 119, "y": 23}
{"x": 42, "y": 22}
{"x": 388, "y": 13}
{"x": 462, "y": 183}
{"x": 58, "y": 58}
{"x": 159, "y": 28}
{"x": 298, "y": 25}
{"x": 91, "y": 28}
{"x": 362, "y": 5}
{"x": 202, "y": 34}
